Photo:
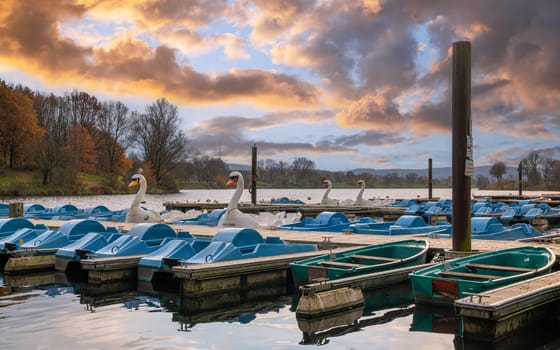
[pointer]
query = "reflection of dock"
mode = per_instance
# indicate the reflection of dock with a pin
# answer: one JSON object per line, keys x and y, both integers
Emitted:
{"x": 212, "y": 309}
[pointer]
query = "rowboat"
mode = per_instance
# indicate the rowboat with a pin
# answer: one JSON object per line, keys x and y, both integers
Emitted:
{"x": 444, "y": 282}
{"x": 358, "y": 261}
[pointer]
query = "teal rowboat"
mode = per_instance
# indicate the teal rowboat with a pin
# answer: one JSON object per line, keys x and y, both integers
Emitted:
{"x": 444, "y": 282}
{"x": 359, "y": 261}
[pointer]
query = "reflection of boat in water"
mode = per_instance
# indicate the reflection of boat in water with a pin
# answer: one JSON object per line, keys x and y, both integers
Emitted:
{"x": 317, "y": 331}
{"x": 435, "y": 319}
{"x": 381, "y": 306}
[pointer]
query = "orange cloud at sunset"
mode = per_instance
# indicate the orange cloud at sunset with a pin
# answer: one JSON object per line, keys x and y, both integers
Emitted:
{"x": 313, "y": 76}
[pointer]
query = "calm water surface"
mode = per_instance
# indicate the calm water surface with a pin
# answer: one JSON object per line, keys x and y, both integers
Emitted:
{"x": 45, "y": 311}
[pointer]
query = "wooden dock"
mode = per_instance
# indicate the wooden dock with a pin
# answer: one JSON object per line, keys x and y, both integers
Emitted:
{"x": 306, "y": 210}
{"x": 497, "y": 313}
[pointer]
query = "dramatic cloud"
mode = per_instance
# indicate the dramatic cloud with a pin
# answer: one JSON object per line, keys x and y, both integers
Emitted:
{"x": 379, "y": 69}
{"x": 31, "y": 41}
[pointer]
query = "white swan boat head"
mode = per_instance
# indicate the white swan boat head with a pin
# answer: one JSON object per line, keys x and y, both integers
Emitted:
{"x": 136, "y": 213}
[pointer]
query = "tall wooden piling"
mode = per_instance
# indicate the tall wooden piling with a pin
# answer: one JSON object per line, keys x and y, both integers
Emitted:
{"x": 520, "y": 179}
{"x": 430, "y": 178}
{"x": 462, "y": 146}
{"x": 254, "y": 175}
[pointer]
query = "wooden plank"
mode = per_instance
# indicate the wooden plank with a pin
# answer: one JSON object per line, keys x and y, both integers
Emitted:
{"x": 499, "y": 267}
{"x": 341, "y": 264}
{"x": 468, "y": 275}
{"x": 372, "y": 258}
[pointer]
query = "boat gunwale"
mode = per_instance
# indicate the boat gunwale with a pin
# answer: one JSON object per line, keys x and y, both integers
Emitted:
{"x": 316, "y": 261}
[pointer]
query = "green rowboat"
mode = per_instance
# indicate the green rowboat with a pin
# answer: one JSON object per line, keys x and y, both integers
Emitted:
{"x": 359, "y": 261}
{"x": 444, "y": 282}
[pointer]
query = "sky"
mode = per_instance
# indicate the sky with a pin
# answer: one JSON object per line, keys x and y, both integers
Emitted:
{"x": 346, "y": 84}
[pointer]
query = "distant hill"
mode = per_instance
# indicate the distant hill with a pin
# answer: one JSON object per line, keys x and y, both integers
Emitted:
{"x": 437, "y": 173}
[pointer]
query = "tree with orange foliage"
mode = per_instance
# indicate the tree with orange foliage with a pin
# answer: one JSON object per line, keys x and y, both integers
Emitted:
{"x": 19, "y": 124}
{"x": 81, "y": 149}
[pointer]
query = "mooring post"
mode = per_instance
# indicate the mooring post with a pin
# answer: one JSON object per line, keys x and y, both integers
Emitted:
{"x": 254, "y": 175}
{"x": 463, "y": 166}
{"x": 429, "y": 178}
{"x": 520, "y": 179}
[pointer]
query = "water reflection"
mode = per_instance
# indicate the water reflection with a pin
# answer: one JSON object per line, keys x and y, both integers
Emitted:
{"x": 436, "y": 319}
{"x": 381, "y": 306}
{"x": 243, "y": 313}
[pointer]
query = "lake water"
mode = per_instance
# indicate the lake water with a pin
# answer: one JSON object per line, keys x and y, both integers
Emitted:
{"x": 45, "y": 311}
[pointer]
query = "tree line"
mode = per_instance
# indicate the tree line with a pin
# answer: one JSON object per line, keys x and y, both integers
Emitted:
{"x": 61, "y": 137}
{"x": 538, "y": 172}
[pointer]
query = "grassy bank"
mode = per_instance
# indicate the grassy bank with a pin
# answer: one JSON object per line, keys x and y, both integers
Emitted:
{"x": 15, "y": 183}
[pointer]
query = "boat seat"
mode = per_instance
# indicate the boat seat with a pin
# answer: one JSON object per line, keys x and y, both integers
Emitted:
{"x": 373, "y": 258}
{"x": 468, "y": 275}
{"x": 341, "y": 264}
{"x": 499, "y": 267}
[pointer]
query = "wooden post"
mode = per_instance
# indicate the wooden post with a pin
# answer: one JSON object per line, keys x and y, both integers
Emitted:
{"x": 520, "y": 179}
{"x": 462, "y": 146}
{"x": 254, "y": 175}
{"x": 430, "y": 178}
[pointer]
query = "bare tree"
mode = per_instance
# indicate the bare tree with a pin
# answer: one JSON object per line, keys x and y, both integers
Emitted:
{"x": 161, "y": 144}
{"x": 302, "y": 168}
{"x": 115, "y": 127}
{"x": 530, "y": 166}
{"x": 48, "y": 151}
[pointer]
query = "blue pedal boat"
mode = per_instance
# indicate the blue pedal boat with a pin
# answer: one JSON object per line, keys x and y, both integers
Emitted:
{"x": 31, "y": 210}
{"x": 327, "y": 221}
{"x": 98, "y": 212}
{"x": 13, "y": 242}
{"x": 204, "y": 219}
{"x": 404, "y": 225}
{"x": 60, "y": 212}
{"x": 244, "y": 243}
{"x": 35, "y": 254}
{"x": 4, "y": 209}
{"x": 67, "y": 233}
{"x": 69, "y": 256}
{"x": 142, "y": 239}
{"x": 9, "y": 226}
{"x": 492, "y": 228}
{"x": 157, "y": 267}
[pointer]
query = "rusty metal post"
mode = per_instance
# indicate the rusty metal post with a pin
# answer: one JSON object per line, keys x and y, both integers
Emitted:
{"x": 429, "y": 178}
{"x": 520, "y": 179}
{"x": 463, "y": 166}
{"x": 254, "y": 175}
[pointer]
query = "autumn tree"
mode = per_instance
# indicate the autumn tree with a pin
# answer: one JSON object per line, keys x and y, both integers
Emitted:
{"x": 81, "y": 150}
{"x": 159, "y": 139}
{"x": 19, "y": 124}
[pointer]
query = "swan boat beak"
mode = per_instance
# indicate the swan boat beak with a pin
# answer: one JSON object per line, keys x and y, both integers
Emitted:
{"x": 133, "y": 183}
{"x": 232, "y": 181}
